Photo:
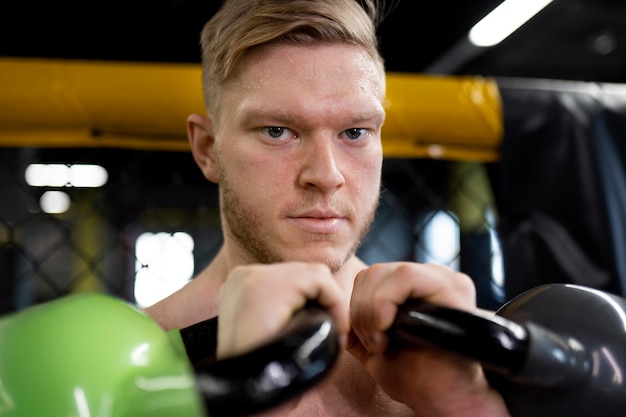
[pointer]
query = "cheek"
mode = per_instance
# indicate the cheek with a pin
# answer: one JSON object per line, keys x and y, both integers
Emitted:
{"x": 368, "y": 171}
{"x": 366, "y": 177}
{"x": 257, "y": 173}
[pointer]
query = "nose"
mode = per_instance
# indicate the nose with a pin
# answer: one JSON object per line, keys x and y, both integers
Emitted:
{"x": 321, "y": 164}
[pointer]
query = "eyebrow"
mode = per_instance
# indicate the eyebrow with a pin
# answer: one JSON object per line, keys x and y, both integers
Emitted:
{"x": 254, "y": 116}
{"x": 280, "y": 118}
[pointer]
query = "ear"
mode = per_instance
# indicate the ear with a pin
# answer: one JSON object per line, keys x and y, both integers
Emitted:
{"x": 202, "y": 141}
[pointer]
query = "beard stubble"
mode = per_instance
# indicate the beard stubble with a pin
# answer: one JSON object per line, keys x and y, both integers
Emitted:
{"x": 244, "y": 224}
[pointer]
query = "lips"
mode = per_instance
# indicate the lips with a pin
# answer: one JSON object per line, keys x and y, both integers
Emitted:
{"x": 324, "y": 222}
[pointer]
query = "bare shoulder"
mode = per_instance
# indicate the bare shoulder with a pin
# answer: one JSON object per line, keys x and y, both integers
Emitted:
{"x": 195, "y": 302}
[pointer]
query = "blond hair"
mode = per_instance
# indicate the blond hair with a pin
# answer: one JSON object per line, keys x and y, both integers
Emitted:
{"x": 240, "y": 25}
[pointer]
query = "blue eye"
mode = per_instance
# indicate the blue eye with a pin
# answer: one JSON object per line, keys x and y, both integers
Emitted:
{"x": 277, "y": 132}
{"x": 355, "y": 133}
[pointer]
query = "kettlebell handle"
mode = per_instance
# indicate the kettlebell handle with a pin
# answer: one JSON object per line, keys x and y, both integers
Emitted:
{"x": 499, "y": 344}
{"x": 521, "y": 352}
{"x": 280, "y": 370}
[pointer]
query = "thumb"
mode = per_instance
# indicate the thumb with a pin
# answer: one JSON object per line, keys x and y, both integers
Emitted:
{"x": 356, "y": 348}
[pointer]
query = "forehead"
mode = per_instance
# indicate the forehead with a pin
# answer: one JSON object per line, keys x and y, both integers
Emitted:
{"x": 308, "y": 77}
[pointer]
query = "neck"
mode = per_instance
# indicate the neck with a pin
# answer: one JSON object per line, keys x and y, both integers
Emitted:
{"x": 227, "y": 259}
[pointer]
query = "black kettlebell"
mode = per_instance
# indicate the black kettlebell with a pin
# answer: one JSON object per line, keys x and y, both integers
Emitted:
{"x": 555, "y": 350}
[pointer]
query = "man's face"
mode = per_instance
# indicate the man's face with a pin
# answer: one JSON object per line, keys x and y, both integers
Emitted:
{"x": 299, "y": 152}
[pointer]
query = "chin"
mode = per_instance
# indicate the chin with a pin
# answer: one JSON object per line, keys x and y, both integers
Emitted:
{"x": 334, "y": 258}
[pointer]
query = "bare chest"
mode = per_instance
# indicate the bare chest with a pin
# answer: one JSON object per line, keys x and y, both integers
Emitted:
{"x": 348, "y": 392}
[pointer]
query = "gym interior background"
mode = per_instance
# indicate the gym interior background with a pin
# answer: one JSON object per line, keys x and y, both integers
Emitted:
{"x": 542, "y": 204}
{"x": 161, "y": 199}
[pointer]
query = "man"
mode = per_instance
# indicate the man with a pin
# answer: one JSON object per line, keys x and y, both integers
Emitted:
{"x": 294, "y": 93}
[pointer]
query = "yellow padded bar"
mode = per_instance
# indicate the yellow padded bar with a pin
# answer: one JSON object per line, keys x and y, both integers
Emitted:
{"x": 67, "y": 103}
{"x": 442, "y": 117}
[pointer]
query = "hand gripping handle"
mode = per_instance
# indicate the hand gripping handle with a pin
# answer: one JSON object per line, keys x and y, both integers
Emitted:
{"x": 270, "y": 375}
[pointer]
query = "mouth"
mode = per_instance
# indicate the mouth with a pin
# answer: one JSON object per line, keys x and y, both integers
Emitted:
{"x": 319, "y": 222}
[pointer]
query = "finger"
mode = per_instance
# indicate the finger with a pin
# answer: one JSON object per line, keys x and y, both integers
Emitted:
{"x": 261, "y": 299}
{"x": 434, "y": 283}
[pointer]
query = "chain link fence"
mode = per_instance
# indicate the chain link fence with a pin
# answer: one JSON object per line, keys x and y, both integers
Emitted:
{"x": 431, "y": 211}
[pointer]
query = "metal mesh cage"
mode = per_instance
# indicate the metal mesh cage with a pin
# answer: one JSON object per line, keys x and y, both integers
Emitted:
{"x": 431, "y": 211}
